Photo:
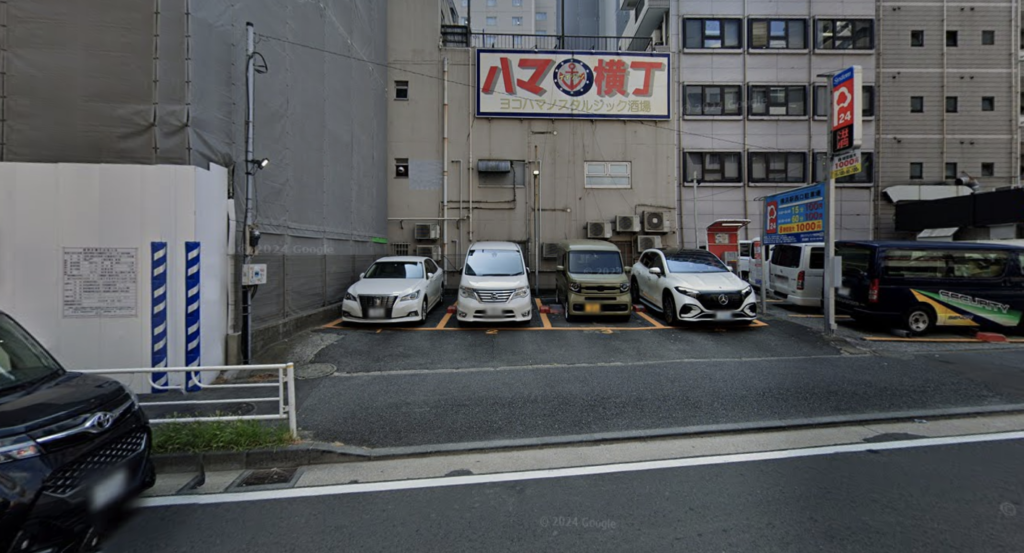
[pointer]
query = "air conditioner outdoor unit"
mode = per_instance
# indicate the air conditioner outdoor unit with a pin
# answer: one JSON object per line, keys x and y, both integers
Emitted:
{"x": 427, "y": 231}
{"x": 654, "y": 221}
{"x": 549, "y": 250}
{"x": 599, "y": 229}
{"x": 627, "y": 223}
{"x": 647, "y": 242}
{"x": 433, "y": 252}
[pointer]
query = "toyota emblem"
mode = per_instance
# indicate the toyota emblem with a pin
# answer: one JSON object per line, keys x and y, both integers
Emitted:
{"x": 99, "y": 422}
{"x": 723, "y": 299}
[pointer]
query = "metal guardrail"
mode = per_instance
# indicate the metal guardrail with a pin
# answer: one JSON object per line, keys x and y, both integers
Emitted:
{"x": 285, "y": 398}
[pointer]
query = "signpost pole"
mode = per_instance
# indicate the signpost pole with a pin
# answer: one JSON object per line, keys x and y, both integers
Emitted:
{"x": 828, "y": 301}
{"x": 696, "y": 230}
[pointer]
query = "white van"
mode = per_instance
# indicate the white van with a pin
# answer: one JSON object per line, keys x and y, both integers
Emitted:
{"x": 797, "y": 273}
{"x": 746, "y": 255}
{"x": 495, "y": 285}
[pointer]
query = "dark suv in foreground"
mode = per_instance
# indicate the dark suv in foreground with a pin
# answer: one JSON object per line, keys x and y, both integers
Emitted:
{"x": 73, "y": 449}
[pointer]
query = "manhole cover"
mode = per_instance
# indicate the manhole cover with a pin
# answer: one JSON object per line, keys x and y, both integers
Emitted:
{"x": 314, "y": 370}
{"x": 267, "y": 477}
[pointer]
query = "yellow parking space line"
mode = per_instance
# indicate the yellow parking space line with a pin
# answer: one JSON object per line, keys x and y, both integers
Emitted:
{"x": 543, "y": 316}
{"x": 758, "y": 324}
{"x": 333, "y": 324}
{"x": 812, "y": 316}
{"x": 938, "y": 340}
{"x": 650, "y": 319}
{"x": 444, "y": 320}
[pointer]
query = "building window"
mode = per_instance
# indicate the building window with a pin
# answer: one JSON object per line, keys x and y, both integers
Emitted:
{"x": 517, "y": 21}
{"x": 492, "y": 3}
{"x": 951, "y": 171}
{"x": 845, "y": 34}
{"x": 401, "y": 167}
{"x": 607, "y": 174}
{"x": 789, "y": 101}
{"x": 492, "y": 21}
{"x": 517, "y": 3}
{"x": 465, "y": 3}
{"x": 988, "y": 103}
{"x": 917, "y": 170}
{"x": 866, "y": 176}
{"x": 951, "y": 104}
{"x": 463, "y": 21}
{"x": 787, "y": 167}
{"x": 777, "y": 34}
{"x": 713, "y": 100}
{"x": 988, "y": 38}
{"x": 401, "y": 90}
{"x": 712, "y": 167}
{"x": 712, "y": 33}
{"x": 822, "y": 102}
{"x": 988, "y": 169}
{"x": 917, "y": 104}
{"x": 542, "y": 16}
{"x": 917, "y": 39}
{"x": 951, "y": 39}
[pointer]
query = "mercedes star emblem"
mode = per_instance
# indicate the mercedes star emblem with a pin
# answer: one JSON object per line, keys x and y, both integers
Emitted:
{"x": 723, "y": 299}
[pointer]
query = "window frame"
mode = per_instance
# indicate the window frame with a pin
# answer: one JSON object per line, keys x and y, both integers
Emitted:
{"x": 517, "y": 21}
{"x": 788, "y": 37}
{"x": 917, "y": 33}
{"x": 819, "y": 40}
{"x": 988, "y": 169}
{"x": 955, "y": 35}
{"x": 919, "y": 165}
{"x": 722, "y": 21}
{"x": 491, "y": 21}
{"x": 687, "y": 176}
{"x": 401, "y": 86}
{"x": 607, "y": 174}
{"x": 912, "y": 110}
{"x": 951, "y": 165}
{"x": 737, "y": 88}
{"x": 956, "y": 104}
{"x": 986, "y": 34}
{"x": 992, "y": 103}
{"x": 754, "y": 88}
{"x": 787, "y": 157}
{"x": 540, "y": 16}
{"x": 399, "y": 163}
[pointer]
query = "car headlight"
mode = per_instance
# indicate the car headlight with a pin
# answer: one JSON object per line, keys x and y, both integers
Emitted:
{"x": 747, "y": 291}
{"x": 17, "y": 448}
{"x": 133, "y": 395}
{"x": 687, "y": 291}
{"x": 521, "y": 293}
{"x": 465, "y": 292}
{"x": 624, "y": 287}
{"x": 410, "y": 297}
{"x": 574, "y": 286}
{"x": 350, "y": 297}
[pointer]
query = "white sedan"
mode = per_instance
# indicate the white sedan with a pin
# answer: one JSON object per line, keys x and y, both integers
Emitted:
{"x": 395, "y": 290}
{"x": 691, "y": 285}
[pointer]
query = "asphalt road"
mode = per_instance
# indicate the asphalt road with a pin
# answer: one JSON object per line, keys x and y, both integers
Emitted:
{"x": 402, "y": 389}
{"x": 967, "y": 497}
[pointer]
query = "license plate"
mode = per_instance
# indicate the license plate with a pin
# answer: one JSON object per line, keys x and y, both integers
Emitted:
{"x": 844, "y": 292}
{"x": 493, "y": 311}
{"x": 723, "y": 315}
{"x": 591, "y": 308}
{"x": 375, "y": 313}
{"x": 109, "y": 490}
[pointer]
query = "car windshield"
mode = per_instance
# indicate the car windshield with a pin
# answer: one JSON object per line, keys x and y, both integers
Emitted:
{"x": 494, "y": 263}
{"x": 22, "y": 359}
{"x": 695, "y": 262}
{"x": 395, "y": 269}
{"x": 595, "y": 263}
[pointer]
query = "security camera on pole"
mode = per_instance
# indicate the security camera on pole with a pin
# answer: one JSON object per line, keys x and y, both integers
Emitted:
{"x": 845, "y": 130}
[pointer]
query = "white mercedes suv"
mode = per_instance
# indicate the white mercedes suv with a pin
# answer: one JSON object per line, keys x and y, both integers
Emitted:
{"x": 692, "y": 285}
{"x": 495, "y": 286}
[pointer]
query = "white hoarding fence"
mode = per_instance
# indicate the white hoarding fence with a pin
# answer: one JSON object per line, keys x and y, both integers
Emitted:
{"x": 595, "y": 85}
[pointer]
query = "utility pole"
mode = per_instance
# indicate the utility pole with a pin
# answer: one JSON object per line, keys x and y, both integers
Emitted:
{"x": 250, "y": 74}
{"x": 696, "y": 230}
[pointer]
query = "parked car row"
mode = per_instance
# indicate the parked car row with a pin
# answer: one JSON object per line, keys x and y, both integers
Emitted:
{"x": 590, "y": 280}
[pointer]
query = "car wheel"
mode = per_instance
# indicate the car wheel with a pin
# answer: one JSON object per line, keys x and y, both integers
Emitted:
{"x": 668, "y": 308}
{"x": 565, "y": 309}
{"x": 919, "y": 319}
{"x": 423, "y": 311}
{"x": 634, "y": 292}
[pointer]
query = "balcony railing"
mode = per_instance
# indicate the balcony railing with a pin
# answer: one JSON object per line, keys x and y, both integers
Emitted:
{"x": 460, "y": 37}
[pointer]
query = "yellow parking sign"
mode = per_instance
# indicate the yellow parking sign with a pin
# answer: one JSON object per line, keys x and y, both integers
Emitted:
{"x": 847, "y": 163}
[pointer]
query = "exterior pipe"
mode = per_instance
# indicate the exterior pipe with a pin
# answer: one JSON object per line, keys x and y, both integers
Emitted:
{"x": 444, "y": 177}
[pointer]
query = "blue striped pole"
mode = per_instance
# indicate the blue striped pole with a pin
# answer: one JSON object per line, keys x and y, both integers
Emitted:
{"x": 192, "y": 295}
{"x": 158, "y": 315}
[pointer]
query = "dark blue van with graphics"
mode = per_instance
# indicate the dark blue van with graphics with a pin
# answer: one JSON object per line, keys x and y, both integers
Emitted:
{"x": 921, "y": 285}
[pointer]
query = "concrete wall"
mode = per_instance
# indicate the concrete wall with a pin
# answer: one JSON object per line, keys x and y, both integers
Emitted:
{"x": 560, "y": 147}
{"x": 47, "y": 207}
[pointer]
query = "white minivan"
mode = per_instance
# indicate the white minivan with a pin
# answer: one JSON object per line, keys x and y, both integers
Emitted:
{"x": 797, "y": 273}
{"x": 746, "y": 256}
{"x": 495, "y": 286}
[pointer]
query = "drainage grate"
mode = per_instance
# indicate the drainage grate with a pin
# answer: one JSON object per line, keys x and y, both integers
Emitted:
{"x": 266, "y": 477}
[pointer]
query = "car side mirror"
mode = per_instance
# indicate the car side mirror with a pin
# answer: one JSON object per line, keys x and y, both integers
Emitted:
{"x": 362, "y": 275}
{"x": 655, "y": 271}
{"x": 430, "y": 276}
{"x": 732, "y": 269}
{"x": 629, "y": 270}
{"x": 560, "y": 268}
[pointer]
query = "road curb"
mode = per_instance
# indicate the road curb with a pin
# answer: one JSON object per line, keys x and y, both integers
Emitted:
{"x": 315, "y": 453}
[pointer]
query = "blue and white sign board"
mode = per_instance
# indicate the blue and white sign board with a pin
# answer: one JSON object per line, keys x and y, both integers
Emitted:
{"x": 796, "y": 216}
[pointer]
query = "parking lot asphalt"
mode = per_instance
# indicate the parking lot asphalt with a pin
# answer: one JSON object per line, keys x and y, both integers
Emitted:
{"x": 428, "y": 387}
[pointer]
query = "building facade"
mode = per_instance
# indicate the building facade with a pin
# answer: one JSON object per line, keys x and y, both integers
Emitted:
{"x": 754, "y": 105}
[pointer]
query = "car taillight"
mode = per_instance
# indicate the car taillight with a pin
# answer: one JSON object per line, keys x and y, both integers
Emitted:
{"x": 873, "y": 291}
{"x": 800, "y": 280}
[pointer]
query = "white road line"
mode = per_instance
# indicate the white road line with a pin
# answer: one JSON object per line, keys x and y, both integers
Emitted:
{"x": 425, "y": 483}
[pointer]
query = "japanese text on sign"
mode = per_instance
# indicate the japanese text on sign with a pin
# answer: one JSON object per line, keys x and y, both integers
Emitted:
{"x": 847, "y": 163}
{"x": 100, "y": 282}
{"x": 569, "y": 85}
{"x": 795, "y": 217}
